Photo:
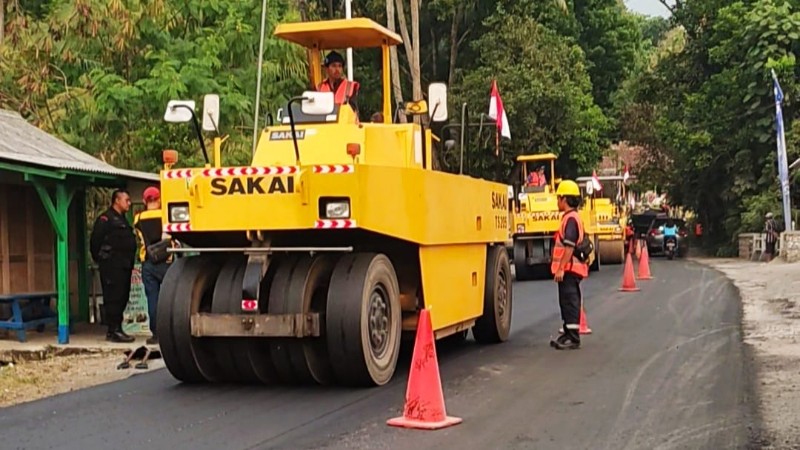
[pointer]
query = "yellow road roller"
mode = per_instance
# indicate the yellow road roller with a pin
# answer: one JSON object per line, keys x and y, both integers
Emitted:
{"x": 608, "y": 207}
{"x": 537, "y": 218}
{"x": 311, "y": 264}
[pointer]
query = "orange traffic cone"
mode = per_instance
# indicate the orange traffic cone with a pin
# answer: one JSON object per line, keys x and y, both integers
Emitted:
{"x": 638, "y": 248}
{"x": 628, "y": 281}
{"x": 584, "y": 327}
{"x": 424, "y": 407}
{"x": 644, "y": 265}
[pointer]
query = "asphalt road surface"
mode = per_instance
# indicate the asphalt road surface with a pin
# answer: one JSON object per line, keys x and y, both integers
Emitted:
{"x": 665, "y": 368}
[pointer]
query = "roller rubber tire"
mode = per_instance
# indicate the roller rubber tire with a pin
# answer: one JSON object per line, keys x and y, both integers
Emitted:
{"x": 494, "y": 326}
{"x": 361, "y": 284}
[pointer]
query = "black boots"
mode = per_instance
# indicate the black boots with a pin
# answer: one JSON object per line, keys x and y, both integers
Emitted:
{"x": 119, "y": 336}
{"x": 570, "y": 340}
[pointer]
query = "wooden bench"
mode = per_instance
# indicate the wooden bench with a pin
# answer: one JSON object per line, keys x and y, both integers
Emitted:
{"x": 32, "y": 299}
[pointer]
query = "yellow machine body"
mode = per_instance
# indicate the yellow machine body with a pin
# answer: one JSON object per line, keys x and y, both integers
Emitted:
{"x": 611, "y": 218}
{"x": 396, "y": 204}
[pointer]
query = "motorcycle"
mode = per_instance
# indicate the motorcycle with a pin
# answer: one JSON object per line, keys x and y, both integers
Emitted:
{"x": 670, "y": 242}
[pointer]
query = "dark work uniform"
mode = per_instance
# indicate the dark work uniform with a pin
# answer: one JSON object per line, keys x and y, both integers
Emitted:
{"x": 569, "y": 290}
{"x": 113, "y": 247}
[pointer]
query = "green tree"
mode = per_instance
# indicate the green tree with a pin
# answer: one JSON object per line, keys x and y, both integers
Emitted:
{"x": 546, "y": 93}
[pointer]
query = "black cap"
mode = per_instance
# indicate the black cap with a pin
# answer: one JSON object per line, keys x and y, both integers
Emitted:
{"x": 333, "y": 57}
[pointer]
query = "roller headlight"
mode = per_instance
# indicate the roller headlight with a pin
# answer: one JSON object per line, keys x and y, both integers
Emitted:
{"x": 338, "y": 208}
{"x": 179, "y": 213}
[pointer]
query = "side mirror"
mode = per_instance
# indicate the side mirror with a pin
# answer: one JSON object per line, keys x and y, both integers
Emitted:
{"x": 589, "y": 187}
{"x": 416, "y": 108}
{"x": 318, "y": 103}
{"x": 177, "y": 111}
{"x": 211, "y": 112}
{"x": 437, "y": 96}
{"x": 279, "y": 115}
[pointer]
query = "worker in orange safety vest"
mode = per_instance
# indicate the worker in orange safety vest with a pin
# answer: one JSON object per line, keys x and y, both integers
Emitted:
{"x": 345, "y": 91}
{"x": 568, "y": 270}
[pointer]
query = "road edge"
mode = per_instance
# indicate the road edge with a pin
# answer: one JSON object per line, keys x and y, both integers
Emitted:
{"x": 761, "y": 436}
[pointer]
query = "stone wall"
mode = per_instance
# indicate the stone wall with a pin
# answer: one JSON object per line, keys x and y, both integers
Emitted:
{"x": 746, "y": 245}
{"x": 790, "y": 245}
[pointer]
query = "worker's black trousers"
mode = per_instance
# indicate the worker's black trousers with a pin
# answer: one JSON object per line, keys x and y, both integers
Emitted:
{"x": 116, "y": 283}
{"x": 569, "y": 299}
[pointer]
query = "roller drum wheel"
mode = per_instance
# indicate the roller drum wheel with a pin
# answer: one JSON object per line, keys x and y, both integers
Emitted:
{"x": 187, "y": 288}
{"x": 612, "y": 252}
{"x": 522, "y": 270}
{"x": 494, "y": 325}
{"x": 363, "y": 321}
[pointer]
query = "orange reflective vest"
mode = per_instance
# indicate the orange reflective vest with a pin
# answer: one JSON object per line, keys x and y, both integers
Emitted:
{"x": 574, "y": 266}
{"x": 343, "y": 93}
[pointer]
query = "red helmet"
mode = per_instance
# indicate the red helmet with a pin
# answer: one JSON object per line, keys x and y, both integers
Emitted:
{"x": 151, "y": 193}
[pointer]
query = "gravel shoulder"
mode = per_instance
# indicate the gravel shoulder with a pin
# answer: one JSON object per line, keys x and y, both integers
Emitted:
{"x": 30, "y": 376}
{"x": 770, "y": 296}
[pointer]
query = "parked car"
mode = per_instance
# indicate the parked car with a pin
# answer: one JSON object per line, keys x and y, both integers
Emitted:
{"x": 655, "y": 236}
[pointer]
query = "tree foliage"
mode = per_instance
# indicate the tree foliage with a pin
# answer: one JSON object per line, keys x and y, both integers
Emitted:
{"x": 708, "y": 106}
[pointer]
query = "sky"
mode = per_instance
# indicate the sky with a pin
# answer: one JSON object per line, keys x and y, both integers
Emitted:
{"x": 648, "y": 7}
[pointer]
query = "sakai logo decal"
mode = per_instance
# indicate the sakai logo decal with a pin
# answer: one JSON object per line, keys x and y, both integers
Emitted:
{"x": 544, "y": 215}
{"x": 253, "y": 185}
{"x": 286, "y": 135}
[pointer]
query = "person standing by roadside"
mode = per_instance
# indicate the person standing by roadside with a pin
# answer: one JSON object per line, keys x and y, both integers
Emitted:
{"x": 153, "y": 253}
{"x": 771, "y": 230}
{"x": 567, "y": 269}
{"x": 113, "y": 248}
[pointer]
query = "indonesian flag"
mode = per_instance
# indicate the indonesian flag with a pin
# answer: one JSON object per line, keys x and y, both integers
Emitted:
{"x": 596, "y": 182}
{"x": 497, "y": 112}
{"x": 626, "y": 175}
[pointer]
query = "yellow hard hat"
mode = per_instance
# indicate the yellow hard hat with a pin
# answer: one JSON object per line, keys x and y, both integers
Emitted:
{"x": 568, "y": 188}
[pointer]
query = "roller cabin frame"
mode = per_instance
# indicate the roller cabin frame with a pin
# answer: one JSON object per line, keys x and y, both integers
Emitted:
{"x": 312, "y": 263}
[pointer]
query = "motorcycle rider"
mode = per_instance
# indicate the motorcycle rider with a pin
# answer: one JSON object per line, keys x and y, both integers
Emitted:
{"x": 670, "y": 232}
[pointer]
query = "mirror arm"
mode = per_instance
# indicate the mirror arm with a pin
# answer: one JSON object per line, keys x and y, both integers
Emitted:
{"x": 271, "y": 120}
{"x": 291, "y": 124}
{"x": 197, "y": 129}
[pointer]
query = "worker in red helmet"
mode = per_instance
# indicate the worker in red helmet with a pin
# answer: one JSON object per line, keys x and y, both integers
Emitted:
{"x": 152, "y": 252}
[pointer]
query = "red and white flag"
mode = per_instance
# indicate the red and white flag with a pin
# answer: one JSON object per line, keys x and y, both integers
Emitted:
{"x": 596, "y": 182}
{"x": 626, "y": 175}
{"x": 497, "y": 112}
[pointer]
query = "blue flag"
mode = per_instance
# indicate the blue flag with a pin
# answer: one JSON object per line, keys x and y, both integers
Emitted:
{"x": 783, "y": 165}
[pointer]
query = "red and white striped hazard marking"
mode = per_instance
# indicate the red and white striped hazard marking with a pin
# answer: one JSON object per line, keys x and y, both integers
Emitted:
{"x": 177, "y": 227}
{"x": 334, "y": 168}
{"x": 249, "y": 171}
{"x": 249, "y": 305}
{"x": 335, "y": 224}
{"x": 178, "y": 174}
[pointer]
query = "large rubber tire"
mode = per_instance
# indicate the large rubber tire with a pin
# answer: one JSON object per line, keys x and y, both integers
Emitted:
{"x": 231, "y": 353}
{"x": 494, "y": 325}
{"x": 187, "y": 288}
{"x": 364, "y": 320}
{"x": 308, "y": 292}
{"x": 278, "y": 304}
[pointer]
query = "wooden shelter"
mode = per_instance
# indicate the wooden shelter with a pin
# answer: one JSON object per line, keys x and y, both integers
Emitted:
{"x": 43, "y": 232}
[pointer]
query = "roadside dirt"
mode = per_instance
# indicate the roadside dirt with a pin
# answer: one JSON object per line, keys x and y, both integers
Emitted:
{"x": 25, "y": 380}
{"x": 771, "y": 305}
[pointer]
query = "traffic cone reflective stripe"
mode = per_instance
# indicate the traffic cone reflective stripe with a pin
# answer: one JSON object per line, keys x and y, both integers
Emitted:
{"x": 424, "y": 407}
{"x": 644, "y": 265}
{"x": 628, "y": 281}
